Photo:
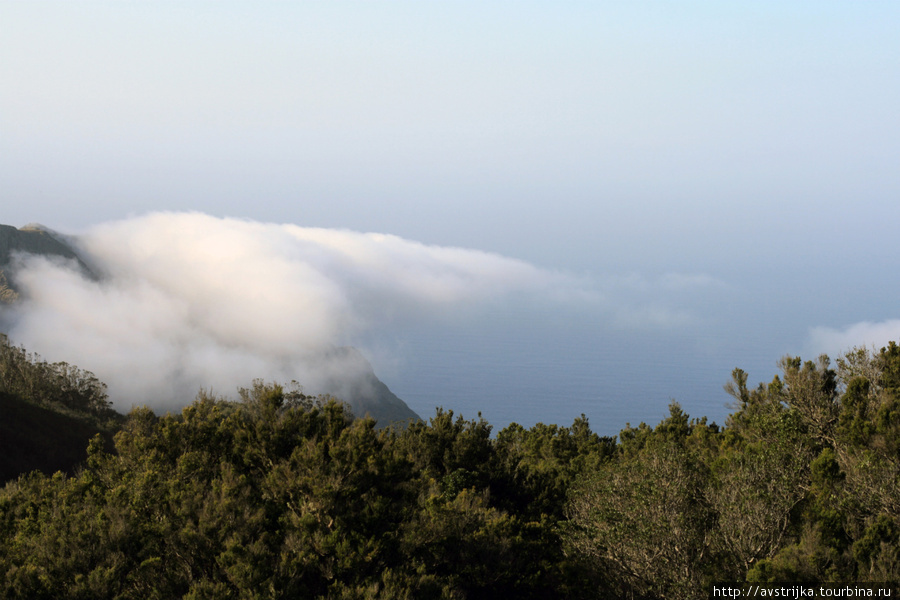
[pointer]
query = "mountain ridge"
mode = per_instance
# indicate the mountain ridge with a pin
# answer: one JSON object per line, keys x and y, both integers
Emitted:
{"x": 38, "y": 240}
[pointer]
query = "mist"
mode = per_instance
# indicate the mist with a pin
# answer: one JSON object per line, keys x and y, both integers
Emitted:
{"x": 176, "y": 302}
{"x": 184, "y": 301}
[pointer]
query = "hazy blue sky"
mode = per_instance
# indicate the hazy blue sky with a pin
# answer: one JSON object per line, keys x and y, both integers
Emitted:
{"x": 724, "y": 175}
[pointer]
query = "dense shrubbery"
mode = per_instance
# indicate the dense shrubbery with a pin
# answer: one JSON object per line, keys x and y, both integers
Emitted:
{"x": 280, "y": 495}
{"x": 803, "y": 484}
{"x": 49, "y": 412}
{"x": 59, "y": 386}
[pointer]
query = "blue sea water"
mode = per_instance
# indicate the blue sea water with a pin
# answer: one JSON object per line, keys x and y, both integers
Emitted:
{"x": 551, "y": 365}
{"x": 535, "y": 373}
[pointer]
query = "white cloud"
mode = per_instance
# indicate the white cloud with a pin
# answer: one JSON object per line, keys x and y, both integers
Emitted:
{"x": 834, "y": 341}
{"x": 187, "y": 300}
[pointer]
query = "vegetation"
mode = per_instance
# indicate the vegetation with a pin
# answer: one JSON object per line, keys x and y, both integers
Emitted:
{"x": 7, "y": 294}
{"x": 281, "y": 495}
{"x": 50, "y": 411}
{"x": 58, "y": 386}
{"x": 802, "y": 485}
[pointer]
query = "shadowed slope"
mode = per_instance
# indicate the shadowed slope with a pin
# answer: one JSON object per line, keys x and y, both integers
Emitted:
{"x": 38, "y": 438}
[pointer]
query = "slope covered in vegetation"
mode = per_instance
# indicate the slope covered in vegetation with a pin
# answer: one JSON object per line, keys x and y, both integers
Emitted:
{"x": 37, "y": 438}
{"x": 280, "y": 495}
{"x": 50, "y": 411}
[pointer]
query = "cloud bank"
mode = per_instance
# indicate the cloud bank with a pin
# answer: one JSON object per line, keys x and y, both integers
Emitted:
{"x": 182, "y": 301}
{"x": 833, "y": 341}
{"x": 186, "y": 300}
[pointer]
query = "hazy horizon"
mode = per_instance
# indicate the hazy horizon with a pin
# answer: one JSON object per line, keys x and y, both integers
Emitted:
{"x": 677, "y": 190}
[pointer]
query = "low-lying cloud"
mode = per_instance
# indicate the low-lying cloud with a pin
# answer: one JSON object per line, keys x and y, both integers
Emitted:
{"x": 834, "y": 341}
{"x": 186, "y": 300}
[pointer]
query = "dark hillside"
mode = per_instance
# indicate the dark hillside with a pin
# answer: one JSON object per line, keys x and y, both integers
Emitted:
{"x": 37, "y": 438}
{"x": 32, "y": 239}
{"x": 48, "y": 413}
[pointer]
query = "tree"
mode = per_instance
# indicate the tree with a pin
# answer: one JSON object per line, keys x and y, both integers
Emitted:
{"x": 762, "y": 474}
{"x": 644, "y": 517}
{"x": 60, "y": 386}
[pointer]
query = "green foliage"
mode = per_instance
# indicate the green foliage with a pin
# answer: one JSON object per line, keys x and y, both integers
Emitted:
{"x": 803, "y": 484}
{"x": 50, "y": 410}
{"x": 536, "y": 467}
{"x": 59, "y": 386}
{"x": 279, "y": 495}
{"x": 644, "y": 516}
{"x": 877, "y": 552}
{"x": 283, "y": 495}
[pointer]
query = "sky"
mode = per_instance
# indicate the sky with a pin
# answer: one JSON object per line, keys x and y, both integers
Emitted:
{"x": 701, "y": 185}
